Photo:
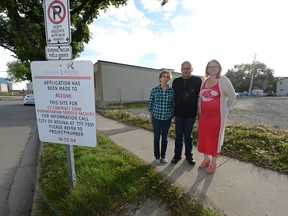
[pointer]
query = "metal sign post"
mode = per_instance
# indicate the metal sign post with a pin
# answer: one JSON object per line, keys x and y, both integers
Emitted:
{"x": 71, "y": 166}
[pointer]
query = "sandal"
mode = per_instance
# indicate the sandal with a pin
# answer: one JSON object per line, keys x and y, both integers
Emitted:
{"x": 211, "y": 169}
{"x": 204, "y": 163}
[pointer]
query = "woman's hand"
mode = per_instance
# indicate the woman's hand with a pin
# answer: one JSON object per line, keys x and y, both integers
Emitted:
{"x": 150, "y": 118}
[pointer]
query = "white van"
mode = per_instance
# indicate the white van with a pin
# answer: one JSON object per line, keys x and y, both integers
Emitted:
{"x": 258, "y": 93}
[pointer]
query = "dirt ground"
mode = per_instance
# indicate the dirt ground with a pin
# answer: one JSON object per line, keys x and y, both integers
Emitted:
{"x": 271, "y": 111}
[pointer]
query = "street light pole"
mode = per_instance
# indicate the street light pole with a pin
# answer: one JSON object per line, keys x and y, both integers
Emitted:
{"x": 252, "y": 75}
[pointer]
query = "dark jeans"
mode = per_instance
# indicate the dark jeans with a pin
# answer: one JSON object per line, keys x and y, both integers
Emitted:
{"x": 183, "y": 128}
{"x": 160, "y": 128}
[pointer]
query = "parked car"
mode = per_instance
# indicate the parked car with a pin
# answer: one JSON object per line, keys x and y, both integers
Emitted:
{"x": 258, "y": 93}
{"x": 270, "y": 93}
{"x": 29, "y": 100}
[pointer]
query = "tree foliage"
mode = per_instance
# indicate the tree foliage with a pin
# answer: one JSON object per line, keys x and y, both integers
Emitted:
{"x": 18, "y": 71}
{"x": 22, "y": 28}
{"x": 240, "y": 76}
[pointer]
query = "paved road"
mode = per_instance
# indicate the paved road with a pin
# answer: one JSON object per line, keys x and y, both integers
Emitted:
{"x": 18, "y": 157}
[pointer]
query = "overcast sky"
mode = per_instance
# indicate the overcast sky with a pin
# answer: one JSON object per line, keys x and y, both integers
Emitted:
{"x": 145, "y": 34}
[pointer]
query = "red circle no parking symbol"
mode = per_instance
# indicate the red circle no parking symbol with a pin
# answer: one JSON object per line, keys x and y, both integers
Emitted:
{"x": 56, "y": 12}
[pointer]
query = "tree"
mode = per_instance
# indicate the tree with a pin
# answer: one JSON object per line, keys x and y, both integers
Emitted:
{"x": 240, "y": 76}
{"x": 18, "y": 71}
{"x": 22, "y": 29}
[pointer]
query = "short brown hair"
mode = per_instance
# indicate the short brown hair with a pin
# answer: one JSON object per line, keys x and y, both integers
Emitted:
{"x": 165, "y": 72}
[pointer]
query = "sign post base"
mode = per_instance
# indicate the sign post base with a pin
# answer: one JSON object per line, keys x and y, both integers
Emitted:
{"x": 71, "y": 166}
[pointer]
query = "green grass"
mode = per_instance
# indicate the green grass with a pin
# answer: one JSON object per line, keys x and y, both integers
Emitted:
{"x": 262, "y": 146}
{"x": 107, "y": 178}
{"x": 122, "y": 106}
{"x": 10, "y": 94}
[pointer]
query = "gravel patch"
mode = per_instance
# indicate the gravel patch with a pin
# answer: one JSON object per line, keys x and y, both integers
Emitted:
{"x": 252, "y": 111}
{"x": 271, "y": 111}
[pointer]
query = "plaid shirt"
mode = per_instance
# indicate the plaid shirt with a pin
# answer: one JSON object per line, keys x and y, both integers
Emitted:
{"x": 161, "y": 103}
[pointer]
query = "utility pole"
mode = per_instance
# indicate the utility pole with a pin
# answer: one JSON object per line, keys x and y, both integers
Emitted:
{"x": 252, "y": 75}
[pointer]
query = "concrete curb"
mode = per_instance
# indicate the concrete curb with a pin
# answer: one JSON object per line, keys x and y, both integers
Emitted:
{"x": 37, "y": 196}
{"x": 22, "y": 189}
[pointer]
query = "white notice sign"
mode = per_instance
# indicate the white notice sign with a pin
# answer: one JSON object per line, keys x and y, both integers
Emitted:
{"x": 65, "y": 102}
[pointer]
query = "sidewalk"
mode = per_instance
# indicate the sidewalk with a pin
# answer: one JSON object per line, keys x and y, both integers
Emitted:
{"x": 236, "y": 188}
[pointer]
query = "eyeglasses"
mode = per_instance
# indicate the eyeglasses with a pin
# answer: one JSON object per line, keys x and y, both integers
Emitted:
{"x": 213, "y": 66}
{"x": 165, "y": 76}
{"x": 186, "y": 68}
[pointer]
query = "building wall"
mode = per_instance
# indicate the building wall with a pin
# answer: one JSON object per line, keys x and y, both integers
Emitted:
{"x": 120, "y": 83}
{"x": 3, "y": 87}
{"x": 29, "y": 87}
{"x": 98, "y": 83}
{"x": 282, "y": 87}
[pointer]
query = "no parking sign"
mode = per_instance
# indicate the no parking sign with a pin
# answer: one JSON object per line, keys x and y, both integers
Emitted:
{"x": 57, "y": 19}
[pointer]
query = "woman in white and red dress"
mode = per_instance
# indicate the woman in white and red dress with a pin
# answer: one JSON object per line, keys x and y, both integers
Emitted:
{"x": 217, "y": 94}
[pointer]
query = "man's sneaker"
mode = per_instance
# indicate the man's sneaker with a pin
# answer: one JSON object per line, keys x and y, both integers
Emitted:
{"x": 157, "y": 161}
{"x": 175, "y": 160}
{"x": 191, "y": 161}
{"x": 164, "y": 160}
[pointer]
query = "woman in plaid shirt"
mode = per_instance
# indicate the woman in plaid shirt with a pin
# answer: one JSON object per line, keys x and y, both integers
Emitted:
{"x": 161, "y": 109}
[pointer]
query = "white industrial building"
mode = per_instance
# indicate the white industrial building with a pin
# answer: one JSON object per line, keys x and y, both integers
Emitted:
{"x": 121, "y": 83}
{"x": 282, "y": 86}
{"x": 5, "y": 86}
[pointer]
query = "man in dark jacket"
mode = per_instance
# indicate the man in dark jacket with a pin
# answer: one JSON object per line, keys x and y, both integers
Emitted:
{"x": 186, "y": 90}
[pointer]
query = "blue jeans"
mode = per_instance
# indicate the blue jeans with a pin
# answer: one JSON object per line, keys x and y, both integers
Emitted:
{"x": 160, "y": 128}
{"x": 183, "y": 128}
